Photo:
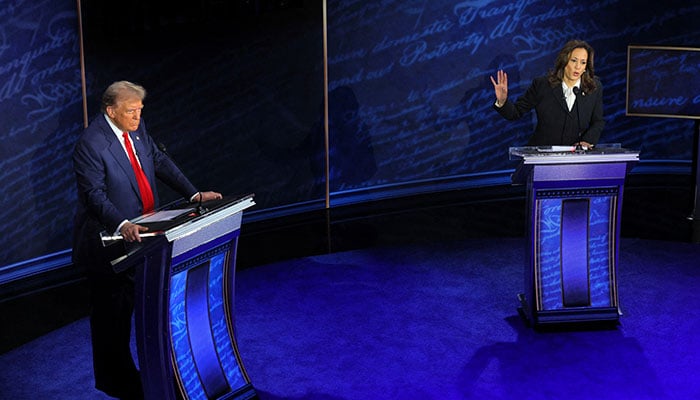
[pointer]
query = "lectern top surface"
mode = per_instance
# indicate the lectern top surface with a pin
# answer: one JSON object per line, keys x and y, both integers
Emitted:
{"x": 569, "y": 154}
{"x": 192, "y": 212}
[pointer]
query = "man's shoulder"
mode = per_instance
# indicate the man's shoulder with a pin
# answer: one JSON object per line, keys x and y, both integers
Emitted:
{"x": 98, "y": 123}
{"x": 96, "y": 133}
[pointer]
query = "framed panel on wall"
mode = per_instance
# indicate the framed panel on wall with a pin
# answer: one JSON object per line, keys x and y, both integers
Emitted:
{"x": 662, "y": 82}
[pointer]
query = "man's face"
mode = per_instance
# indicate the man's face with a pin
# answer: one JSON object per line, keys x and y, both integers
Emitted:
{"x": 126, "y": 114}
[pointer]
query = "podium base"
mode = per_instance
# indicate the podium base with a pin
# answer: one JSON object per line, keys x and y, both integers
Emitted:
{"x": 572, "y": 318}
{"x": 247, "y": 392}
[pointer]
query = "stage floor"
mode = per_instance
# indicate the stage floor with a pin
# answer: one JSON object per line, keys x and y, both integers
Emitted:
{"x": 427, "y": 321}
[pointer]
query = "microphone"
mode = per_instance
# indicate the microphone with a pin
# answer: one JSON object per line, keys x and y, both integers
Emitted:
{"x": 200, "y": 208}
{"x": 162, "y": 148}
{"x": 579, "y": 148}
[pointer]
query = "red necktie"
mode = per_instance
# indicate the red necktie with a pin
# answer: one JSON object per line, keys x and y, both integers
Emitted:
{"x": 144, "y": 186}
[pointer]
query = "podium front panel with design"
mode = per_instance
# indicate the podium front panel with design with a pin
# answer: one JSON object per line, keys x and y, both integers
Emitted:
{"x": 185, "y": 324}
{"x": 574, "y": 209}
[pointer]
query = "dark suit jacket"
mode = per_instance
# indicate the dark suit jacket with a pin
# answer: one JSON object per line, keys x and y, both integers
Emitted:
{"x": 556, "y": 125}
{"x": 107, "y": 189}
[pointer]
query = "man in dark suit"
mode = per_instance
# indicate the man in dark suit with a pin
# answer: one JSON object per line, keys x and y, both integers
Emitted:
{"x": 568, "y": 101}
{"x": 116, "y": 164}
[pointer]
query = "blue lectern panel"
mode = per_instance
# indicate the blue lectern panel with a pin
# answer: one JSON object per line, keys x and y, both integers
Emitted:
{"x": 574, "y": 252}
{"x": 200, "y": 333}
{"x": 222, "y": 326}
{"x": 600, "y": 251}
{"x": 186, "y": 371}
{"x": 549, "y": 234}
{"x": 205, "y": 361}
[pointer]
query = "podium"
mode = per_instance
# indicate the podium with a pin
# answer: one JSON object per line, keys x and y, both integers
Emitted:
{"x": 574, "y": 202}
{"x": 184, "y": 306}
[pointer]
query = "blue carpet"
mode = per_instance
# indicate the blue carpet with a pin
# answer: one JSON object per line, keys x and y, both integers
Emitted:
{"x": 429, "y": 321}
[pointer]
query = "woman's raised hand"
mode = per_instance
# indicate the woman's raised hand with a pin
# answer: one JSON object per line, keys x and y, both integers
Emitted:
{"x": 500, "y": 86}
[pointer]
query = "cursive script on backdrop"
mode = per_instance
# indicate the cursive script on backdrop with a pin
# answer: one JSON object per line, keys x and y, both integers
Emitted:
{"x": 41, "y": 116}
{"x": 420, "y": 71}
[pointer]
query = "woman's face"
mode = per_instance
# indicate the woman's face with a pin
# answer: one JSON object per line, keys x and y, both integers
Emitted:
{"x": 576, "y": 66}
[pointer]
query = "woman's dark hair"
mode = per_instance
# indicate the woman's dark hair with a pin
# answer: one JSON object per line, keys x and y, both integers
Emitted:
{"x": 556, "y": 75}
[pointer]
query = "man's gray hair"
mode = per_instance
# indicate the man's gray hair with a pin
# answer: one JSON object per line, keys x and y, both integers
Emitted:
{"x": 118, "y": 90}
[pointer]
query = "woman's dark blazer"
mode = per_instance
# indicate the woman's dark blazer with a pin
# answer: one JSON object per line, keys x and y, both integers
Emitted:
{"x": 556, "y": 125}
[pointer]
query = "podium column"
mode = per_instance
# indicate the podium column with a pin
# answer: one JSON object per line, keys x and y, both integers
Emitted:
{"x": 185, "y": 319}
{"x": 574, "y": 210}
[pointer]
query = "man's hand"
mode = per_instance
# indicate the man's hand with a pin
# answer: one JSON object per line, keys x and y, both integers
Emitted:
{"x": 206, "y": 196}
{"x": 132, "y": 232}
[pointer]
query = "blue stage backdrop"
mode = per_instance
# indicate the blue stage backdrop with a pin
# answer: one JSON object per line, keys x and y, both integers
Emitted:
{"x": 417, "y": 76}
{"x": 236, "y": 94}
{"x": 40, "y": 116}
{"x": 235, "y": 89}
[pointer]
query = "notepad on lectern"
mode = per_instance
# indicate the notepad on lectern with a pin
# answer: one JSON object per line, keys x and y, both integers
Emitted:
{"x": 555, "y": 149}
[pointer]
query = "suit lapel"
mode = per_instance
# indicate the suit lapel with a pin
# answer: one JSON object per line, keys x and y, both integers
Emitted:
{"x": 558, "y": 93}
{"x": 583, "y": 100}
{"x": 143, "y": 155}
{"x": 119, "y": 155}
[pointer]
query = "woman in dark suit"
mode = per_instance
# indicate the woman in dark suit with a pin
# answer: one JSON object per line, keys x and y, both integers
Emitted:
{"x": 568, "y": 100}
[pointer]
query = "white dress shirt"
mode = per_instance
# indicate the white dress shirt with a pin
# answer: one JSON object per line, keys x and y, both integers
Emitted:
{"x": 569, "y": 93}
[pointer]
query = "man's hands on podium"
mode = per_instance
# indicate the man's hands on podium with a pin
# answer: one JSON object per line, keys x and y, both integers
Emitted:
{"x": 132, "y": 232}
{"x": 206, "y": 196}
